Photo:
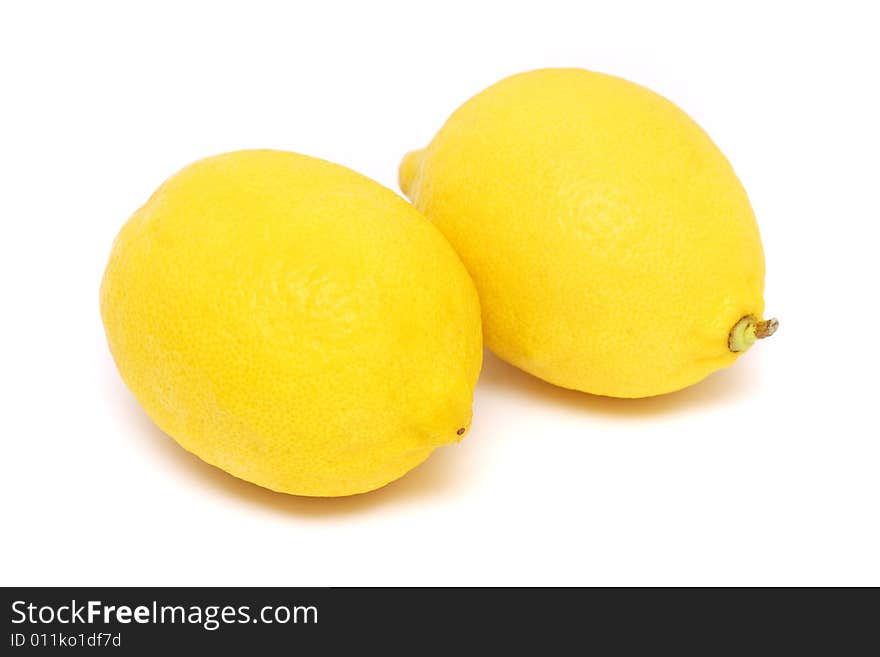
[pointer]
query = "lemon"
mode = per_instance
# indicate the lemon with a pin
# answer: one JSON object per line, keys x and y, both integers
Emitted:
{"x": 293, "y": 323}
{"x": 613, "y": 247}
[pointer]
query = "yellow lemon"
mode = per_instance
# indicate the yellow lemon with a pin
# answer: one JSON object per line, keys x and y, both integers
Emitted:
{"x": 293, "y": 323}
{"x": 613, "y": 247}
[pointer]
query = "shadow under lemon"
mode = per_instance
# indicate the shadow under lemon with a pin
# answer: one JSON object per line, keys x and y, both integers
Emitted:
{"x": 439, "y": 474}
{"x": 443, "y": 470}
{"x": 719, "y": 387}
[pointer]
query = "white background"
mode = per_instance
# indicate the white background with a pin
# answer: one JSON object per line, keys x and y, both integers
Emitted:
{"x": 766, "y": 473}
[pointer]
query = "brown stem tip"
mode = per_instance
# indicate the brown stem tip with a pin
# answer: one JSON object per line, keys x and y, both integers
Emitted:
{"x": 765, "y": 328}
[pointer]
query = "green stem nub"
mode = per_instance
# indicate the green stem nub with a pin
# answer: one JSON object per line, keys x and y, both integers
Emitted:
{"x": 748, "y": 330}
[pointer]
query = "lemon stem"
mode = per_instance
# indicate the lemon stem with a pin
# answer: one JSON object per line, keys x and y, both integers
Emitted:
{"x": 766, "y": 327}
{"x": 748, "y": 330}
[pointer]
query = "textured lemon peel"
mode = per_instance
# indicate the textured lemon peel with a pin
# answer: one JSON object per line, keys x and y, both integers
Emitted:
{"x": 278, "y": 280}
{"x": 748, "y": 330}
{"x": 549, "y": 190}
{"x": 407, "y": 171}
